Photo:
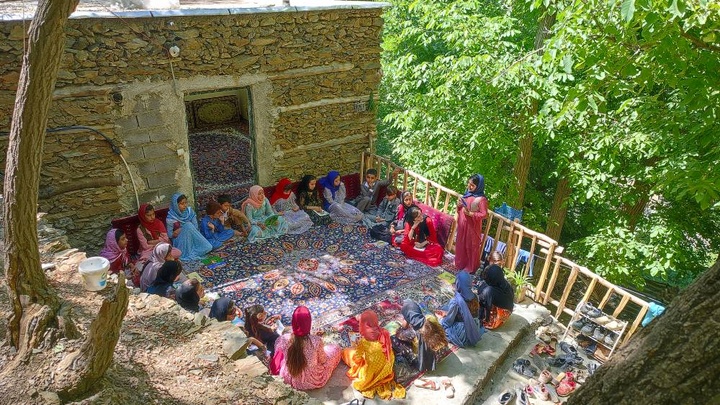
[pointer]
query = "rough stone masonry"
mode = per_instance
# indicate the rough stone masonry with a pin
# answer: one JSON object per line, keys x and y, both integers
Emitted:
{"x": 309, "y": 72}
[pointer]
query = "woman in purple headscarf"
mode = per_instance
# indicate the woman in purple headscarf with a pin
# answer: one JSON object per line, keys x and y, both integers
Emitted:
{"x": 334, "y": 194}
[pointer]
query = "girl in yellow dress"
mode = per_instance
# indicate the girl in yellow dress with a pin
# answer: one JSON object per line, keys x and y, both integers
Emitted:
{"x": 371, "y": 362}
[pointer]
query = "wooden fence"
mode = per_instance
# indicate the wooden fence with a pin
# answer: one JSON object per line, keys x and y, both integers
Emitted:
{"x": 557, "y": 274}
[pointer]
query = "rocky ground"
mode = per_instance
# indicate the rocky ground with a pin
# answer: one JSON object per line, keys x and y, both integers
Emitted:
{"x": 165, "y": 355}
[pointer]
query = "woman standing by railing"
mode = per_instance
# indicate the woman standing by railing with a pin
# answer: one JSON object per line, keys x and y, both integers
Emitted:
{"x": 472, "y": 210}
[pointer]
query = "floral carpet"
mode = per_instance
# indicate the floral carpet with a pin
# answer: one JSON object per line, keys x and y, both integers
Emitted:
{"x": 336, "y": 271}
{"x": 221, "y": 162}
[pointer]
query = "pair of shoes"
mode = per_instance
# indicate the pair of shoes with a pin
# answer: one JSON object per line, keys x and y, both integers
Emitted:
{"x": 449, "y": 389}
{"x": 614, "y": 326}
{"x": 567, "y": 385}
{"x": 609, "y": 339}
{"x": 506, "y": 397}
{"x": 587, "y": 330}
{"x": 523, "y": 367}
{"x": 426, "y": 383}
{"x": 590, "y": 311}
{"x": 599, "y": 334}
{"x": 522, "y": 398}
{"x": 568, "y": 348}
{"x": 537, "y": 390}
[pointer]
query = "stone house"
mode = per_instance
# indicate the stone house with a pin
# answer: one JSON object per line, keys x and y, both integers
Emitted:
{"x": 200, "y": 101}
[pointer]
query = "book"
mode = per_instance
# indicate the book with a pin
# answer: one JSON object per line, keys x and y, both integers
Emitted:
{"x": 419, "y": 249}
{"x": 322, "y": 213}
{"x": 271, "y": 220}
{"x": 196, "y": 276}
{"x": 447, "y": 277}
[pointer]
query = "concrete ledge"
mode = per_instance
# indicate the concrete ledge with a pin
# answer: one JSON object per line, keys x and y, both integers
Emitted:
{"x": 471, "y": 370}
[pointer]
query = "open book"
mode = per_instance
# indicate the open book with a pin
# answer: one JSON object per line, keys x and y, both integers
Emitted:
{"x": 271, "y": 220}
{"x": 322, "y": 213}
{"x": 419, "y": 249}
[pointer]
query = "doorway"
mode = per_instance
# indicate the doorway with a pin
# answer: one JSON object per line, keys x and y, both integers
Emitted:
{"x": 222, "y": 147}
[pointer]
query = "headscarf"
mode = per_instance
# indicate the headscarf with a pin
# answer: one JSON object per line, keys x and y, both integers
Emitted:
{"x": 155, "y": 227}
{"x": 253, "y": 197}
{"x": 304, "y": 188}
{"x": 328, "y": 182}
{"x": 112, "y": 250}
{"x": 494, "y": 289}
{"x": 280, "y": 190}
{"x": 150, "y": 270}
{"x": 479, "y": 182}
{"x": 167, "y": 274}
{"x": 370, "y": 329}
{"x": 423, "y": 231}
{"x": 187, "y": 297}
{"x": 402, "y": 209}
{"x": 220, "y": 307}
{"x": 301, "y": 321}
{"x": 174, "y": 213}
{"x": 413, "y": 315}
{"x": 463, "y": 293}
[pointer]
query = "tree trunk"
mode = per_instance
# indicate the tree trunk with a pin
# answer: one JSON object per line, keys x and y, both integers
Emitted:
{"x": 556, "y": 220}
{"x": 79, "y": 371}
{"x": 522, "y": 163}
{"x": 674, "y": 360}
{"x": 27, "y": 287}
{"x": 634, "y": 212}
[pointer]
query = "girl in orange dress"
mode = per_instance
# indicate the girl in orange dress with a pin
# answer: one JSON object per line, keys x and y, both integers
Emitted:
{"x": 371, "y": 362}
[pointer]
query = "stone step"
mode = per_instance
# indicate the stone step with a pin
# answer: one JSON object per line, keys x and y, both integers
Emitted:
{"x": 471, "y": 370}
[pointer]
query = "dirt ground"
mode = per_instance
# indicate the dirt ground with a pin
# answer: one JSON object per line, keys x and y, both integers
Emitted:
{"x": 164, "y": 355}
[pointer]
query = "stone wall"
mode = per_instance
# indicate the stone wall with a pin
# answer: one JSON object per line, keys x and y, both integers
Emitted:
{"x": 309, "y": 73}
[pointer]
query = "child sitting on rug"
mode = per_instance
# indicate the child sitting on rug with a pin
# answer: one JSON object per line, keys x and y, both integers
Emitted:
{"x": 231, "y": 217}
{"x": 309, "y": 200}
{"x": 284, "y": 202}
{"x": 420, "y": 241}
{"x": 301, "y": 358}
{"x": 369, "y": 190}
{"x": 379, "y": 222}
{"x": 256, "y": 326}
{"x": 334, "y": 195}
{"x": 211, "y": 227}
{"x": 420, "y": 339}
{"x": 188, "y": 295}
{"x": 371, "y": 362}
{"x": 397, "y": 227}
{"x": 266, "y": 223}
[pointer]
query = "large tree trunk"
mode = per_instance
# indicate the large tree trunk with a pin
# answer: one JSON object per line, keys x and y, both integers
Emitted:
{"x": 558, "y": 211}
{"x": 34, "y": 303}
{"x": 521, "y": 170}
{"x": 79, "y": 371}
{"x": 675, "y": 360}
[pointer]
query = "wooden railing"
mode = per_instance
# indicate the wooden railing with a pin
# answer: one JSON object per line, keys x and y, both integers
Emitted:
{"x": 573, "y": 282}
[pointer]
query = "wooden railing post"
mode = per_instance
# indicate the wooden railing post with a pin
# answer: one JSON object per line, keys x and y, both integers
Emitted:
{"x": 543, "y": 274}
{"x": 566, "y": 293}
{"x": 553, "y": 279}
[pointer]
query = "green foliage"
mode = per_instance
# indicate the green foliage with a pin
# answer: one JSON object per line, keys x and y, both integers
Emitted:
{"x": 628, "y": 105}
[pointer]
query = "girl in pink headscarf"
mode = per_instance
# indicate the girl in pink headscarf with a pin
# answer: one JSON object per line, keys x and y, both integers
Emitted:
{"x": 266, "y": 223}
{"x": 115, "y": 251}
{"x": 371, "y": 362}
{"x": 301, "y": 358}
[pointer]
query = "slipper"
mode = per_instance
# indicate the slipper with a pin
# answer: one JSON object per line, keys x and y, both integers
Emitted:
{"x": 506, "y": 397}
{"x": 553, "y": 394}
{"x": 427, "y": 384}
{"x": 592, "y": 367}
{"x": 602, "y": 320}
{"x": 566, "y": 387}
{"x": 545, "y": 377}
{"x": 522, "y": 398}
{"x": 449, "y": 389}
{"x": 539, "y": 390}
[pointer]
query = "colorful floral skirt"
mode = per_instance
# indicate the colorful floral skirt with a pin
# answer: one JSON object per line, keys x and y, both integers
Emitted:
{"x": 498, "y": 316}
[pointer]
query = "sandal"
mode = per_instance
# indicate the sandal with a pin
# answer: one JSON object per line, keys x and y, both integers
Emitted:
{"x": 539, "y": 390}
{"x": 566, "y": 387}
{"x": 428, "y": 384}
{"x": 449, "y": 389}
{"x": 522, "y": 398}
{"x": 506, "y": 397}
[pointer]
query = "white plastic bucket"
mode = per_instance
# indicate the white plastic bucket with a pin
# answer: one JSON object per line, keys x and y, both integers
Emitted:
{"x": 94, "y": 271}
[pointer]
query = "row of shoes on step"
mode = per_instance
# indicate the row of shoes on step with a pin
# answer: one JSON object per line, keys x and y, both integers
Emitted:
{"x": 545, "y": 388}
{"x": 599, "y": 333}
{"x": 597, "y": 316}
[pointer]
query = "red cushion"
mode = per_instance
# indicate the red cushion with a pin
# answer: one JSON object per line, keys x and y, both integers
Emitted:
{"x": 129, "y": 226}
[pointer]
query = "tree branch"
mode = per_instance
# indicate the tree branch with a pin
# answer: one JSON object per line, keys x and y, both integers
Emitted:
{"x": 699, "y": 43}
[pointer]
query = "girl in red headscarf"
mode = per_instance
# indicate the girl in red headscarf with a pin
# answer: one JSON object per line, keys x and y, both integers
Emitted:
{"x": 301, "y": 358}
{"x": 150, "y": 232}
{"x": 284, "y": 202}
{"x": 371, "y": 362}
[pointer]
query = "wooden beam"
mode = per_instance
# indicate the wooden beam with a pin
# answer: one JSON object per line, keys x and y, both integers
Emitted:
{"x": 553, "y": 280}
{"x": 566, "y": 293}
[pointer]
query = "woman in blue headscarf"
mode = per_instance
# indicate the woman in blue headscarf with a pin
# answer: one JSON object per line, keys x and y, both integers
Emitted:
{"x": 461, "y": 321}
{"x": 183, "y": 229}
{"x": 472, "y": 209}
{"x": 334, "y": 200}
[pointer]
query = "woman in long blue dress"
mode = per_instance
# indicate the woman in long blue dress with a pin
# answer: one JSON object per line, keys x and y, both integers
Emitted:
{"x": 461, "y": 321}
{"x": 334, "y": 200}
{"x": 211, "y": 227}
{"x": 183, "y": 229}
{"x": 266, "y": 223}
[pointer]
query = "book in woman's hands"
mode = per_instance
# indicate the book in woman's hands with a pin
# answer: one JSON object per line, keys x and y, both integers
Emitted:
{"x": 322, "y": 213}
{"x": 271, "y": 220}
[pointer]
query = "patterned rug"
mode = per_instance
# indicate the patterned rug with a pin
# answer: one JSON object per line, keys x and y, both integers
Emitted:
{"x": 221, "y": 162}
{"x": 336, "y": 271}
